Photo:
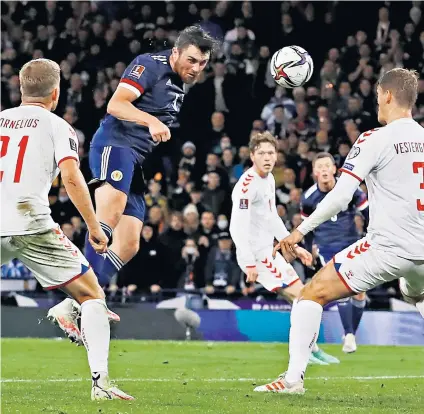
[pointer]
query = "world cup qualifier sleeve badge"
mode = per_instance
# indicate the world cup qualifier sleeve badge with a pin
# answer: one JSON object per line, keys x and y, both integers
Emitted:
{"x": 244, "y": 204}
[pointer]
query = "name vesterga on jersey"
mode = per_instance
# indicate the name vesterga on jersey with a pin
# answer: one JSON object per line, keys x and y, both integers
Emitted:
{"x": 406, "y": 147}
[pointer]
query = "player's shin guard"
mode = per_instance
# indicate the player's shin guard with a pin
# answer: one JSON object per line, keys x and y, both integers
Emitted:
{"x": 346, "y": 315}
{"x": 305, "y": 323}
{"x": 358, "y": 307}
{"x": 95, "y": 332}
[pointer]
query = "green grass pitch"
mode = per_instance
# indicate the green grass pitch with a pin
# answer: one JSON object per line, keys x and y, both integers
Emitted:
{"x": 50, "y": 376}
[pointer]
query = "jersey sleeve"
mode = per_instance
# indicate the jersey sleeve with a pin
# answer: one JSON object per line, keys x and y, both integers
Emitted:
{"x": 140, "y": 75}
{"x": 65, "y": 142}
{"x": 242, "y": 198}
{"x": 364, "y": 155}
{"x": 360, "y": 199}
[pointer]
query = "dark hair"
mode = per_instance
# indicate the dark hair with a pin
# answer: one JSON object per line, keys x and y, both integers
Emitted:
{"x": 196, "y": 36}
{"x": 321, "y": 155}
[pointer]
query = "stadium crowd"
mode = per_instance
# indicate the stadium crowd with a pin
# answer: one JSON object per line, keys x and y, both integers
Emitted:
{"x": 185, "y": 240}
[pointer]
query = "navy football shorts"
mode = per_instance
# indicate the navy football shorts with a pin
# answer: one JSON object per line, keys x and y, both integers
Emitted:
{"x": 121, "y": 168}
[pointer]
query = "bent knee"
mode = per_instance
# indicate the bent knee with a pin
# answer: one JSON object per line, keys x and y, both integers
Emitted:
{"x": 316, "y": 291}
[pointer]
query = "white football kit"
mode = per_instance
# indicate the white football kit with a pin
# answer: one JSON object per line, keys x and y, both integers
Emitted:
{"x": 254, "y": 225}
{"x": 391, "y": 160}
{"x": 34, "y": 142}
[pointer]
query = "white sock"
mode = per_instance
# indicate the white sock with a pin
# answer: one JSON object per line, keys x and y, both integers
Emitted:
{"x": 95, "y": 332}
{"x": 315, "y": 347}
{"x": 305, "y": 323}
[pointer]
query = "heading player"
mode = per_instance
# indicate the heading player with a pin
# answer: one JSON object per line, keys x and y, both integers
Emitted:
{"x": 140, "y": 112}
{"x": 35, "y": 146}
{"x": 391, "y": 160}
{"x": 335, "y": 235}
{"x": 254, "y": 225}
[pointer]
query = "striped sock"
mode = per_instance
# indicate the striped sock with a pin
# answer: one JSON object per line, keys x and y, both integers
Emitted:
{"x": 108, "y": 230}
{"x": 111, "y": 265}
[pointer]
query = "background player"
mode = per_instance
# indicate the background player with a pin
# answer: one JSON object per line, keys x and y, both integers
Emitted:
{"x": 140, "y": 112}
{"x": 391, "y": 159}
{"x": 36, "y": 144}
{"x": 335, "y": 235}
{"x": 255, "y": 223}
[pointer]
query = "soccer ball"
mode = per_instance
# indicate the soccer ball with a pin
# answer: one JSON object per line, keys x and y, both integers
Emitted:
{"x": 291, "y": 66}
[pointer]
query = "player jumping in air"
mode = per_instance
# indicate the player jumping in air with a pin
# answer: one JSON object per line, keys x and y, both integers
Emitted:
{"x": 254, "y": 225}
{"x": 391, "y": 160}
{"x": 335, "y": 235}
{"x": 140, "y": 112}
{"x": 35, "y": 146}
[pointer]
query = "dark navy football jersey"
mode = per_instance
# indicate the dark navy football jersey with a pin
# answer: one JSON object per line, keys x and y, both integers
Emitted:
{"x": 340, "y": 231}
{"x": 160, "y": 92}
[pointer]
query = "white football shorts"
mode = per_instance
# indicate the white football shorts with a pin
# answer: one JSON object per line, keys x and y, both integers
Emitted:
{"x": 53, "y": 259}
{"x": 273, "y": 274}
{"x": 361, "y": 267}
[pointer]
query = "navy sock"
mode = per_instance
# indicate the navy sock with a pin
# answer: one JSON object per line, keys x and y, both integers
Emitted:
{"x": 108, "y": 230}
{"x": 345, "y": 311}
{"x": 358, "y": 307}
{"x": 96, "y": 260}
{"x": 111, "y": 265}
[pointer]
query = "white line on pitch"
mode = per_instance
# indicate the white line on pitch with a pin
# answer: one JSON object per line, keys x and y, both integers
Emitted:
{"x": 381, "y": 377}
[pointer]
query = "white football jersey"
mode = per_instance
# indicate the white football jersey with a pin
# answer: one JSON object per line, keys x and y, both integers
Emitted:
{"x": 391, "y": 160}
{"x": 254, "y": 218}
{"x": 33, "y": 143}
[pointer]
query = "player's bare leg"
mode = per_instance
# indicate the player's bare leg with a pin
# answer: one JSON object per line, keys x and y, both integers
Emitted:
{"x": 126, "y": 241}
{"x": 95, "y": 332}
{"x": 126, "y": 238}
{"x": 306, "y": 315}
{"x": 318, "y": 356}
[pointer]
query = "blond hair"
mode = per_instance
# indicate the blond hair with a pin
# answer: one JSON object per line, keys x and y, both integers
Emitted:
{"x": 39, "y": 77}
{"x": 261, "y": 137}
{"x": 403, "y": 84}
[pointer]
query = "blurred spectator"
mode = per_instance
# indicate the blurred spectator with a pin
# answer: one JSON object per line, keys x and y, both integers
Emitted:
{"x": 179, "y": 197}
{"x": 63, "y": 209}
{"x": 157, "y": 219}
{"x": 208, "y": 25}
{"x": 215, "y": 196}
{"x": 172, "y": 241}
{"x": 147, "y": 270}
{"x": 244, "y": 157}
{"x": 189, "y": 267}
{"x": 191, "y": 220}
{"x": 222, "y": 272}
{"x": 155, "y": 197}
{"x": 188, "y": 160}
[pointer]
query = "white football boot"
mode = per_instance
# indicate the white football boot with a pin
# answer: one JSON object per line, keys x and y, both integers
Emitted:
{"x": 103, "y": 389}
{"x": 281, "y": 385}
{"x": 66, "y": 314}
{"x": 349, "y": 344}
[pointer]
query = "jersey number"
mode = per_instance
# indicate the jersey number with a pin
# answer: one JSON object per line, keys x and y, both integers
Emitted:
{"x": 4, "y": 139}
{"x": 415, "y": 168}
